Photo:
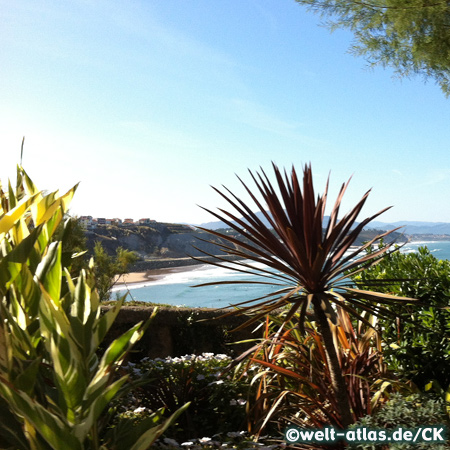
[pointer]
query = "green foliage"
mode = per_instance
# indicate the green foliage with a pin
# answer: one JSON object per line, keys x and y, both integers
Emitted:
{"x": 417, "y": 344}
{"x": 55, "y": 387}
{"x": 108, "y": 268}
{"x": 218, "y": 403}
{"x": 407, "y": 412}
{"x": 73, "y": 238}
{"x": 413, "y": 37}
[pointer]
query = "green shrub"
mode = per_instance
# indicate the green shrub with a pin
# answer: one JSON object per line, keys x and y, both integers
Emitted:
{"x": 218, "y": 403}
{"x": 417, "y": 345}
{"x": 108, "y": 267}
{"x": 407, "y": 412}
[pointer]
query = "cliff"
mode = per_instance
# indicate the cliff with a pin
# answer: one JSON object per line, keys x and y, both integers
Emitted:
{"x": 155, "y": 241}
{"x": 166, "y": 245}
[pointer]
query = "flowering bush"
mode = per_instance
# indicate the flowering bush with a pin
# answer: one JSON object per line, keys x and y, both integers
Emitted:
{"x": 218, "y": 402}
{"x": 224, "y": 441}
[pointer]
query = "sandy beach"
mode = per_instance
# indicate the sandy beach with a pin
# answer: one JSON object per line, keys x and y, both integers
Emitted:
{"x": 151, "y": 275}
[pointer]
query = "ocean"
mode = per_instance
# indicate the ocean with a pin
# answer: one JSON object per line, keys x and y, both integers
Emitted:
{"x": 177, "y": 288}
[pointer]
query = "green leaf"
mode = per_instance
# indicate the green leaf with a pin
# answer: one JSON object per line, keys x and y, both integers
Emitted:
{"x": 8, "y": 220}
{"x": 49, "y": 272}
{"x": 120, "y": 346}
{"x": 11, "y": 433}
{"x": 107, "y": 319}
{"x": 95, "y": 404}
{"x": 149, "y": 437}
{"x": 56, "y": 432}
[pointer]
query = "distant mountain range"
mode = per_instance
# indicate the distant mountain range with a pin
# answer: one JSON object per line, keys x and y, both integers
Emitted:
{"x": 412, "y": 227}
{"x": 409, "y": 227}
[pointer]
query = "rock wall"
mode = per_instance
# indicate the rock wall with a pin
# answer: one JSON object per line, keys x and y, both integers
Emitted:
{"x": 180, "y": 331}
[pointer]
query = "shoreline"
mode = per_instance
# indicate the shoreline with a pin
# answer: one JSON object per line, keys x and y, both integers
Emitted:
{"x": 156, "y": 274}
{"x": 151, "y": 275}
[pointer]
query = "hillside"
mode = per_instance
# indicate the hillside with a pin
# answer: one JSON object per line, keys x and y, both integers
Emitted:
{"x": 415, "y": 228}
{"x": 158, "y": 240}
{"x": 412, "y": 230}
{"x": 162, "y": 241}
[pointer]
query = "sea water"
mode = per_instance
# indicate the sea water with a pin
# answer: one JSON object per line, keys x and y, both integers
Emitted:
{"x": 177, "y": 288}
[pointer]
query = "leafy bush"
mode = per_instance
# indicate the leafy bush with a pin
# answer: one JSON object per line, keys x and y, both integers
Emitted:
{"x": 407, "y": 412}
{"x": 417, "y": 344}
{"x": 218, "y": 403}
{"x": 55, "y": 388}
{"x": 108, "y": 267}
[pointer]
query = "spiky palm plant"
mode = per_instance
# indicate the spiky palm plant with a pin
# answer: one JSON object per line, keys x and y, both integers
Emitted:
{"x": 308, "y": 259}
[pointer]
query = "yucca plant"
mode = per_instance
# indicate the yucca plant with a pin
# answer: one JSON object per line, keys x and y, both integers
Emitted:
{"x": 306, "y": 257}
{"x": 56, "y": 386}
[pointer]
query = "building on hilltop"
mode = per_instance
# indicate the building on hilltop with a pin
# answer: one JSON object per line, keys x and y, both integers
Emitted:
{"x": 145, "y": 221}
{"x": 128, "y": 222}
{"x": 86, "y": 222}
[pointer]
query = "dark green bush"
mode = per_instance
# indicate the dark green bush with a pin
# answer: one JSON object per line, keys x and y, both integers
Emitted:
{"x": 406, "y": 412}
{"x": 218, "y": 402}
{"x": 417, "y": 345}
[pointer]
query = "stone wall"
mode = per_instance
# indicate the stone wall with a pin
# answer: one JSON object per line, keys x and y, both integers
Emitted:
{"x": 163, "y": 263}
{"x": 180, "y": 331}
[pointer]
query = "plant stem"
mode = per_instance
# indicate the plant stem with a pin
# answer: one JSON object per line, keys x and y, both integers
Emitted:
{"x": 95, "y": 439}
{"x": 337, "y": 379}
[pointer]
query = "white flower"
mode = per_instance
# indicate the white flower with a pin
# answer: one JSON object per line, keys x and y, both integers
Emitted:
{"x": 187, "y": 443}
{"x": 139, "y": 410}
{"x": 204, "y": 440}
{"x": 169, "y": 441}
{"x": 233, "y": 402}
{"x": 241, "y": 401}
{"x": 235, "y": 434}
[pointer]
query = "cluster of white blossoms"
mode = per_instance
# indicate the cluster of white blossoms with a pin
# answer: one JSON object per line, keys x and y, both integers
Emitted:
{"x": 231, "y": 440}
{"x": 158, "y": 363}
{"x": 191, "y": 358}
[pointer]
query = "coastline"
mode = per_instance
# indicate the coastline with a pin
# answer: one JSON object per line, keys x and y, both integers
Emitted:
{"x": 157, "y": 273}
{"x": 151, "y": 275}
{"x": 170, "y": 266}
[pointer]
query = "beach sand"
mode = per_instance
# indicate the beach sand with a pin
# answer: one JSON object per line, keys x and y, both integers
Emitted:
{"x": 151, "y": 275}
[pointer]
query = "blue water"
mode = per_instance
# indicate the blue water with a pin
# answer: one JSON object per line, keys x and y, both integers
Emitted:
{"x": 176, "y": 288}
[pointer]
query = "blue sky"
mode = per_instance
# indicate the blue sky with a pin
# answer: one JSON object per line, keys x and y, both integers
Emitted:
{"x": 148, "y": 103}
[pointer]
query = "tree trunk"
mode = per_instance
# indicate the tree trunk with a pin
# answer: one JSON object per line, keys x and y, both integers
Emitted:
{"x": 337, "y": 379}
